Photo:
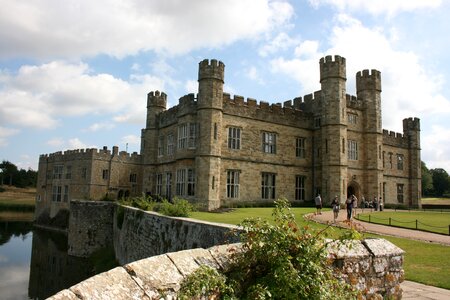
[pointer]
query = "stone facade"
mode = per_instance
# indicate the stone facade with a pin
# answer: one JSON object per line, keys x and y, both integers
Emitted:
{"x": 373, "y": 267}
{"x": 217, "y": 150}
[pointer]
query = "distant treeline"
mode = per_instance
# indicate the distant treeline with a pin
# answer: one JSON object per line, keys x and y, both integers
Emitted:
{"x": 435, "y": 182}
{"x": 11, "y": 175}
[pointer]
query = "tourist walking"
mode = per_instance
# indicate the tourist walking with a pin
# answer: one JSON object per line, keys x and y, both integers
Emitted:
{"x": 354, "y": 205}
{"x": 336, "y": 206}
{"x": 318, "y": 201}
{"x": 349, "y": 206}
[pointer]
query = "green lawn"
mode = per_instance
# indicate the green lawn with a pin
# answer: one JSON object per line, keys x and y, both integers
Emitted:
{"x": 424, "y": 262}
{"x": 429, "y": 221}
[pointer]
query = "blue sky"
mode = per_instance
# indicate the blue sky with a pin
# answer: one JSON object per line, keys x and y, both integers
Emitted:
{"x": 75, "y": 74}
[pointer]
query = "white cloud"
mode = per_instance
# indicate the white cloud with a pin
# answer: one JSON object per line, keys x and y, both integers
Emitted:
{"x": 55, "y": 142}
{"x": 131, "y": 139}
{"x": 69, "y": 144}
{"x": 281, "y": 42}
{"x": 101, "y": 126}
{"x": 435, "y": 148}
{"x": 37, "y": 96}
{"x": 85, "y": 28}
{"x": 76, "y": 143}
{"x": 191, "y": 86}
{"x": 388, "y": 7}
{"x": 253, "y": 74}
{"x": 409, "y": 89}
{"x": 307, "y": 49}
{"x": 5, "y": 133}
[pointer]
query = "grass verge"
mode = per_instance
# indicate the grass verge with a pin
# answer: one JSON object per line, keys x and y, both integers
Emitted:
{"x": 437, "y": 222}
{"x": 424, "y": 262}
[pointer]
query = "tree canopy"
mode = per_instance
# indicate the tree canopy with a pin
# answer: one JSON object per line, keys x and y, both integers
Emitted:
{"x": 10, "y": 174}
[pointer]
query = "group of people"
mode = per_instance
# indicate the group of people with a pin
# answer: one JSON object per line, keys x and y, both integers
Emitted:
{"x": 351, "y": 203}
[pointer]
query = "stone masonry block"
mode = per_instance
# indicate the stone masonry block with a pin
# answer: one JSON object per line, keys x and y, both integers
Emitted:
{"x": 189, "y": 260}
{"x": 156, "y": 273}
{"x": 382, "y": 247}
{"x": 114, "y": 284}
{"x": 64, "y": 295}
{"x": 347, "y": 249}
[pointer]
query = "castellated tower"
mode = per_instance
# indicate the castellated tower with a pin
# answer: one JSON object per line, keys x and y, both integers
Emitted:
{"x": 333, "y": 132}
{"x": 156, "y": 103}
{"x": 368, "y": 91}
{"x": 411, "y": 130}
{"x": 209, "y": 117}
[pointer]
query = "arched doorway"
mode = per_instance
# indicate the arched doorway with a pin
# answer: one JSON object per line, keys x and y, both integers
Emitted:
{"x": 353, "y": 189}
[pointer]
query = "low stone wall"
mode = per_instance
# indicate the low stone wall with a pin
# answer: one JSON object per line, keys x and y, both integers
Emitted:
{"x": 373, "y": 266}
{"x": 140, "y": 234}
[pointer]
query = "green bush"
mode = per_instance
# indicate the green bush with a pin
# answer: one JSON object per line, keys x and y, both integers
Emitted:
{"x": 179, "y": 208}
{"x": 280, "y": 261}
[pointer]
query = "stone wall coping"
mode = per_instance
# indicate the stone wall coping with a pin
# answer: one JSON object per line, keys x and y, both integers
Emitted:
{"x": 148, "y": 277}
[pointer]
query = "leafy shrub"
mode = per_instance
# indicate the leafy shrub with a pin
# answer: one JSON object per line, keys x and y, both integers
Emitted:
{"x": 179, "y": 208}
{"x": 280, "y": 261}
{"x": 206, "y": 283}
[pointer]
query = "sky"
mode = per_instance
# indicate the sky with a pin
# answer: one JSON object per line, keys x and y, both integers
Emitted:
{"x": 75, "y": 74}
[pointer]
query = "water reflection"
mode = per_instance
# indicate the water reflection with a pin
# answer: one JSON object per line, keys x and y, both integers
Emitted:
{"x": 51, "y": 269}
{"x": 34, "y": 263}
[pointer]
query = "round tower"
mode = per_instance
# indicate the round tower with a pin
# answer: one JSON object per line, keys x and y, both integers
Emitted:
{"x": 411, "y": 130}
{"x": 333, "y": 129}
{"x": 209, "y": 117}
{"x": 210, "y": 84}
{"x": 156, "y": 103}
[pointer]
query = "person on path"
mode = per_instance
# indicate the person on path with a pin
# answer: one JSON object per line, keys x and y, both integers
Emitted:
{"x": 354, "y": 205}
{"x": 318, "y": 201}
{"x": 336, "y": 206}
{"x": 349, "y": 206}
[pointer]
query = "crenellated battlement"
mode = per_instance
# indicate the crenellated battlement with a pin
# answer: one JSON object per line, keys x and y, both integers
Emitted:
{"x": 396, "y": 139}
{"x": 411, "y": 124}
{"x": 353, "y": 102}
{"x": 332, "y": 67}
{"x": 213, "y": 69}
{"x": 157, "y": 98}
{"x": 91, "y": 153}
{"x": 368, "y": 80}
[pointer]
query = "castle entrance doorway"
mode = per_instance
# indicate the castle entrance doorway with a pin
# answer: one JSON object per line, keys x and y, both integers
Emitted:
{"x": 353, "y": 189}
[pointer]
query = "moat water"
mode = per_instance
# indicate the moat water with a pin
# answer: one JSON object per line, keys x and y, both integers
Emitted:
{"x": 34, "y": 263}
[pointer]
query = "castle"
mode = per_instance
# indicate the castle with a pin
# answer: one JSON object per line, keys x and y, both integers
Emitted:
{"x": 216, "y": 150}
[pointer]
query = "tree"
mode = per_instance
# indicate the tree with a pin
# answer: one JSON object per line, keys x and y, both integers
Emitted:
{"x": 427, "y": 181}
{"x": 9, "y": 170}
{"x": 441, "y": 181}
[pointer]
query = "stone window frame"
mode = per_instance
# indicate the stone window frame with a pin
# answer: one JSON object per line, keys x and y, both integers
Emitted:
{"x": 158, "y": 184}
{"x": 233, "y": 177}
{"x": 170, "y": 144}
{"x": 234, "y": 138}
{"x": 83, "y": 172}
{"x": 352, "y": 149}
{"x": 56, "y": 193}
{"x": 300, "y": 147}
{"x": 352, "y": 118}
{"x": 180, "y": 182}
{"x": 300, "y": 190}
{"x": 168, "y": 185}
{"x": 317, "y": 122}
{"x": 390, "y": 159}
{"x": 133, "y": 177}
{"x": 400, "y": 161}
{"x": 192, "y": 137}
{"x": 268, "y": 185}
{"x": 68, "y": 172}
{"x": 183, "y": 132}
{"x": 160, "y": 145}
{"x": 400, "y": 192}
{"x": 269, "y": 142}
{"x": 190, "y": 182}
{"x": 57, "y": 172}
{"x": 66, "y": 193}
{"x": 105, "y": 174}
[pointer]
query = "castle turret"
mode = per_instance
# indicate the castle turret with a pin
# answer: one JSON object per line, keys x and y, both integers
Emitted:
{"x": 333, "y": 131}
{"x": 209, "y": 116}
{"x": 156, "y": 103}
{"x": 368, "y": 91}
{"x": 411, "y": 130}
